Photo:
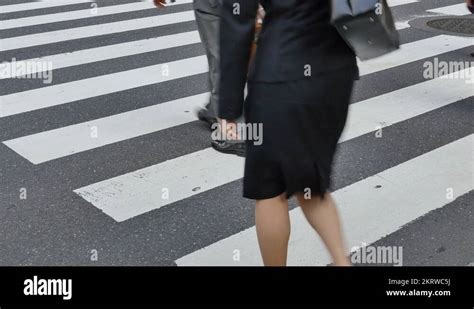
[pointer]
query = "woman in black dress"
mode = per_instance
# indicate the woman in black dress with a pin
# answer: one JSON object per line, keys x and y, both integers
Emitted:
{"x": 299, "y": 88}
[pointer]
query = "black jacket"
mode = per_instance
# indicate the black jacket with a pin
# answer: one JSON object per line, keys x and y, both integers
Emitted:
{"x": 297, "y": 41}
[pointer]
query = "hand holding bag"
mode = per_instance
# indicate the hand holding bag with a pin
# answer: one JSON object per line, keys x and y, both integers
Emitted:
{"x": 258, "y": 28}
{"x": 367, "y": 26}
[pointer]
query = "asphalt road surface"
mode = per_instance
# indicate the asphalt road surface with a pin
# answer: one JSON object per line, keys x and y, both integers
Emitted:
{"x": 102, "y": 161}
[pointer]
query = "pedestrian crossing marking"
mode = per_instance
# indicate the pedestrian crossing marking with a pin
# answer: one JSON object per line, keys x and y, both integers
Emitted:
{"x": 107, "y": 28}
{"x": 126, "y": 196}
{"x": 27, "y": 6}
{"x": 414, "y": 51}
{"x": 57, "y": 36}
{"x": 391, "y": 108}
{"x": 409, "y": 52}
{"x": 407, "y": 191}
{"x": 35, "y": 99}
{"x": 32, "y": 147}
{"x": 402, "y": 25}
{"x": 109, "y": 52}
{"x": 393, "y": 3}
{"x": 80, "y": 14}
{"x": 55, "y": 3}
{"x": 457, "y": 10}
{"x": 142, "y": 191}
{"x": 76, "y": 138}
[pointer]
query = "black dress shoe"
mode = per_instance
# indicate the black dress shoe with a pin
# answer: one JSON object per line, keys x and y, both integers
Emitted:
{"x": 204, "y": 115}
{"x": 237, "y": 148}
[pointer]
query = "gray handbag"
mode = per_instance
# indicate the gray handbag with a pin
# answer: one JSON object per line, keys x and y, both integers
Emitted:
{"x": 367, "y": 26}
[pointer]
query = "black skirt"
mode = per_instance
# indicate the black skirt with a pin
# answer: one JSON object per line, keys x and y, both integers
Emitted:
{"x": 302, "y": 121}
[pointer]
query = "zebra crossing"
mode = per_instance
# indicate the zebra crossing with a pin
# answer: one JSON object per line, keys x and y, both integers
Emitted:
{"x": 80, "y": 14}
{"x": 27, "y": 6}
{"x": 365, "y": 117}
{"x": 33, "y": 147}
{"x": 404, "y": 197}
{"x": 371, "y": 207}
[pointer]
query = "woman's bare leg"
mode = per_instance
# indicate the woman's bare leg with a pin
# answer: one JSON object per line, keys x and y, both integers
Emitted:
{"x": 273, "y": 229}
{"x": 322, "y": 214}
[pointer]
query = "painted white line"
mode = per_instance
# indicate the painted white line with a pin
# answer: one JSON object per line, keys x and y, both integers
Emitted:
{"x": 394, "y": 3}
{"x": 400, "y": 25}
{"x": 80, "y": 14}
{"x": 38, "y": 5}
{"x": 102, "y": 53}
{"x": 91, "y": 55}
{"x": 94, "y": 30}
{"x": 368, "y": 213}
{"x": 110, "y": 10}
{"x": 457, "y": 9}
{"x": 108, "y": 28}
{"x": 408, "y": 53}
{"x": 32, "y": 147}
{"x": 387, "y": 109}
{"x": 76, "y": 138}
{"x": 115, "y": 196}
{"x": 126, "y": 198}
{"x": 25, "y": 101}
{"x": 415, "y": 51}
{"x": 54, "y": 3}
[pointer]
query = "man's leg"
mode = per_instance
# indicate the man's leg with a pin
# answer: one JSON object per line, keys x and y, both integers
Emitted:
{"x": 207, "y": 19}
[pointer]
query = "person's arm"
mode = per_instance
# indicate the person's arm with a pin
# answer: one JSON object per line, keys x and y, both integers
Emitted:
{"x": 160, "y": 3}
{"x": 258, "y": 28}
{"x": 237, "y": 29}
{"x": 163, "y": 3}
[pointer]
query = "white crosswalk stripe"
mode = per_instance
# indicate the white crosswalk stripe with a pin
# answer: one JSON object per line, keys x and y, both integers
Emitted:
{"x": 45, "y": 146}
{"x": 414, "y": 51}
{"x": 457, "y": 9}
{"x": 405, "y": 193}
{"x": 27, "y": 6}
{"x": 148, "y": 45}
{"x": 94, "y": 11}
{"x": 112, "y": 195}
{"x": 102, "y": 53}
{"x": 94, "y": 30}
{"x": 101, "y": 29}
{"x": 30, "y": 100}
{"x": 393, "y": 3}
